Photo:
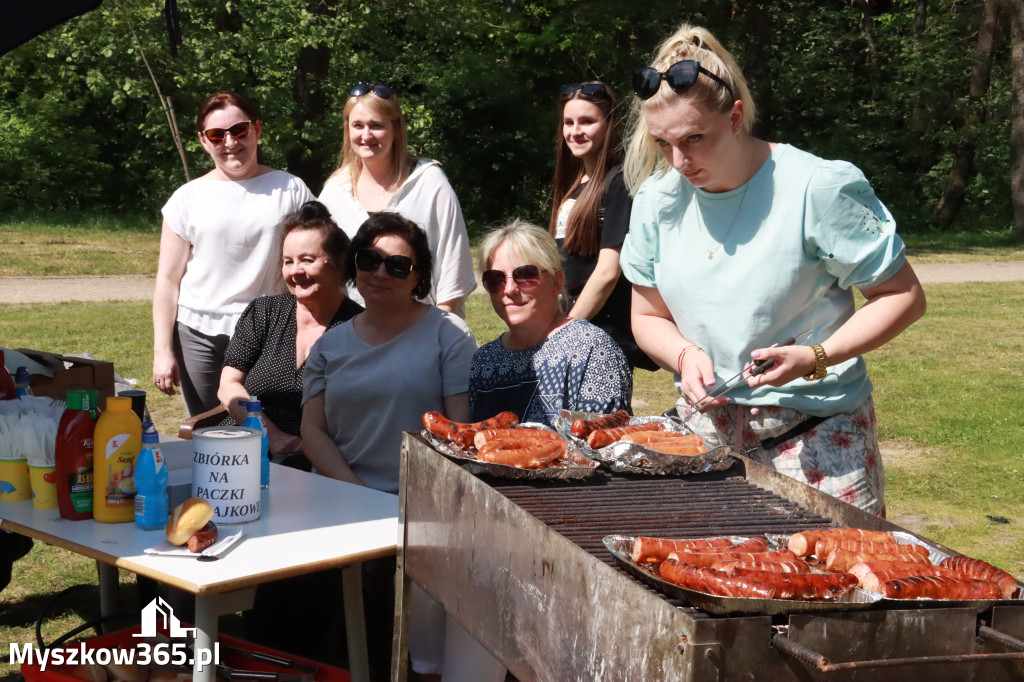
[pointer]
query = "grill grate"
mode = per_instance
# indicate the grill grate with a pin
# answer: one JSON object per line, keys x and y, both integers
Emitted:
{"x": 585, "y": 512}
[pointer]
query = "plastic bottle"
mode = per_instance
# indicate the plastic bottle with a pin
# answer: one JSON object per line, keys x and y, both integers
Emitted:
{"x": 150, "y": 482}
{"x": 254, "y": 420}
{"x": 7, "y": 390}
{"x": 21, "y": 382}
{"x": 118, "y": 439}
{"x": 73, "y": 455}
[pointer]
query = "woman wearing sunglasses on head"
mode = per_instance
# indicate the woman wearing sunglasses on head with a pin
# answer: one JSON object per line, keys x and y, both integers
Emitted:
{"x": 219, "y": 249}
{"x": 737, "y": 244}
{"x": 546, "y": 361}
{"x": 590, "y": 213}
{"x": 377, "y": 173}
{"x": 374, "y": 377}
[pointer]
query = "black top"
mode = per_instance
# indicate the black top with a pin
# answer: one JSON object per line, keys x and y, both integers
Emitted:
{"x": 263, "y": 346}
{"x": 613, "y": 317}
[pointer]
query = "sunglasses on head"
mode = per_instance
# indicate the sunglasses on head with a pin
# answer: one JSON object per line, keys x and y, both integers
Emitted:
{"x": 680, "y": 77}
{"x": 570, "y": 89}
{"x": 368, "y": 260}
{"x": 217, "y": 135}
{"x": 525, "y": 276}
{"x": 382, "y": 90}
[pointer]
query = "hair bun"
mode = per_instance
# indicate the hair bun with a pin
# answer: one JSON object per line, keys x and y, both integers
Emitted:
{"x": 314, "y": 210}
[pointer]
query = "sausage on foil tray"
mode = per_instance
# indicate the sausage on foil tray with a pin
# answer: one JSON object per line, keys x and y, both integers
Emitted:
{"x": 581, "y": 428}
{"x": 498, "y": 441}
{"x": 897, "y": 570}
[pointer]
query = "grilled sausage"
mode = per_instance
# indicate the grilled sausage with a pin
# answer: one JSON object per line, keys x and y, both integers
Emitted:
{"x": 671, "y": 449}
{"x": 978, "y": 569}
{"x": 647, "y": 550}
{"x": 824, "y": 547}
{"x": 203, "y": 538}
{"x": 713, "y": 582}
{"x": 461, "y": 433}
{"x": 708, "y": 559}
{"x": 482, "y": 437}
{"x": 936, "y": 587}
{"x": 843, "y": 560}
{"x": 803, "y": 585}
{"x": 605, "y": 437}
{"x": 677, "y": 437}
{"x": 793, "y": 566}
{"x": 581, "y": 428}
{"x": 531, "y": 454}
{"x": 802, "y": 544}
{"x": 872, "y": 574}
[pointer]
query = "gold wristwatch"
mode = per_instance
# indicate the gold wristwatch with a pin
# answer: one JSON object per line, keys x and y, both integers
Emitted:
{"x": 820, "y": 364}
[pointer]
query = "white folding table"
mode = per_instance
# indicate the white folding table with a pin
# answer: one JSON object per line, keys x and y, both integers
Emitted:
{"x": 307, "y": 523}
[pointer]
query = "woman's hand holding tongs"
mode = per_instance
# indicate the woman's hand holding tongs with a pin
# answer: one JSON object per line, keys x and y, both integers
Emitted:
{"x": 697, "y": 377}
{"x": 778, "y": 365}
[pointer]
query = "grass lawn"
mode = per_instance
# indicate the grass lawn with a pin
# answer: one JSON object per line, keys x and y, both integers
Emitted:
{"x": 947, "y": 394}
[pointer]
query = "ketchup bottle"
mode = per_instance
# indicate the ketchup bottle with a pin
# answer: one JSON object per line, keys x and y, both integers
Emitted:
{"x": 73, "y": 455}
{"x": 7, "y": 390}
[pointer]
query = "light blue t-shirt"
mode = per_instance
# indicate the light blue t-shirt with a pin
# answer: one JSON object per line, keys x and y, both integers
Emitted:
{"x": 793, "y": 240}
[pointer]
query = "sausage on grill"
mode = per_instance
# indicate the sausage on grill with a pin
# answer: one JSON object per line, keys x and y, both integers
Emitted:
{"x": 605, "y": 437}
{"x": 802, "y": 544}
{"x": 713, "y": 582}
{"x": 803, "y": 585}
{"x": 647, "y": 550}
{"x": 976, "y": 568}
{"x": 936, "y": 587}
{"x": 581, "y": 428}
{"x": 482, "y": 437}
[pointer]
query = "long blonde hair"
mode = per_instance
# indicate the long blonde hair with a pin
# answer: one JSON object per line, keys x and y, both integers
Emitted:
{"x": 688, "y": 42}
{"x": 389, "y": 109}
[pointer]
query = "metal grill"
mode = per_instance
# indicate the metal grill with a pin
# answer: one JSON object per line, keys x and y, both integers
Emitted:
{"x": 684, "y": 507}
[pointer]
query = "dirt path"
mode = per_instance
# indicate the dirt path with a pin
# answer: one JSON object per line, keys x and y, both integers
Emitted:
{"x": 140, "y": 288}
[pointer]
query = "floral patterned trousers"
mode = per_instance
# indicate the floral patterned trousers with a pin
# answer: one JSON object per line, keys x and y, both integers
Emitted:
{"x": 838, "y": 456}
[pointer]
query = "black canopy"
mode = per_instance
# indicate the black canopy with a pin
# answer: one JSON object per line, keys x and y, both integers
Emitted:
{"x": 20, "y": 21}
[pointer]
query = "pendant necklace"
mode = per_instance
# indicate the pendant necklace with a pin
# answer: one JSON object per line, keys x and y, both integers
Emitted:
{"x": 701, "y": 228}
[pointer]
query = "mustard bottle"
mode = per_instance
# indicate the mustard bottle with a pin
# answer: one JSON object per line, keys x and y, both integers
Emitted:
{"x": 116, "y": 445}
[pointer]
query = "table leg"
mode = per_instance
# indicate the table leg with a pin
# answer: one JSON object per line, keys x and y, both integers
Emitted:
{"x": 208, "y": 609}
{"x": 355, "y": 622}
{"x": 108, "y": 591}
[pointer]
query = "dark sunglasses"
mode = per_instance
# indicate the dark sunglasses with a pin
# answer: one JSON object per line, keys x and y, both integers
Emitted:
{"x": 368, "y": 260}
{"x": 217, "y": 135}
{"x": 525, "y": 276}
{"x": 382, "y": 90}
{"x": 569, "y": 89}
{"x": 680, "y": 77}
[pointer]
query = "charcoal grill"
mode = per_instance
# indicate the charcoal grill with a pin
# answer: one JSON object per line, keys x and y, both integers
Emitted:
{"x": 522, "y": 567}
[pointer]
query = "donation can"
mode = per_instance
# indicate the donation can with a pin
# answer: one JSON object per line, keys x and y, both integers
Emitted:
{"x": 226, "y": 471}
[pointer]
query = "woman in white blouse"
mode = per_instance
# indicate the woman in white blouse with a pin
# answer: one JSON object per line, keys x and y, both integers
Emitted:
{"x": 220, "y": 247}
{"x": 378, "y": 174}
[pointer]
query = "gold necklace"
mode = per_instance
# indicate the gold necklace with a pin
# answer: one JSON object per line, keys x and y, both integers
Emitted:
{"x": 700, "y": 222}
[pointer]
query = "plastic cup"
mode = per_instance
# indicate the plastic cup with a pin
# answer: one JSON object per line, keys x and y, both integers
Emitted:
{"x": 44, "y": 487}
{"x": 138, "y": 397}
{"x": 14, "y": 480}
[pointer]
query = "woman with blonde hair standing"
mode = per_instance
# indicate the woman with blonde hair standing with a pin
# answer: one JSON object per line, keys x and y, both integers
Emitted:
{"x": 377, "y": 173}
{"x": 737, "y": 244}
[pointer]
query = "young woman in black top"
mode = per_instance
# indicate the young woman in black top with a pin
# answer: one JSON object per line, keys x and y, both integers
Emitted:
{"x": 590, "y": 213}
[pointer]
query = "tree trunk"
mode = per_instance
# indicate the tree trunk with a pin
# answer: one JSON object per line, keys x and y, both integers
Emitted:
{"x": 760, "y": 29}
{"x": 919, "y": 118}
{"x": 1016, "y": 10}
{"x": 963, "y": 163}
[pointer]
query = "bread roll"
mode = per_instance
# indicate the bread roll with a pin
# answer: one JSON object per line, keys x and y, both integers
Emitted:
{"x": 187, "y": 518}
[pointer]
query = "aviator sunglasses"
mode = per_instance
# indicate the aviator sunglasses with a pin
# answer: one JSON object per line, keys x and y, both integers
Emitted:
{"x": 217, "y": 135}
{"x": 526, "y": 277}
{"x": 570, "y": 89}
{"x": 680, "y": 77}
{"x": 382, "y": 90}
{"x": 368, "y": 260}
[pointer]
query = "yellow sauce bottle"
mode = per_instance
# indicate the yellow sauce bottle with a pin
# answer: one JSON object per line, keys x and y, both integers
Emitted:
{"x": 116, "y": 445}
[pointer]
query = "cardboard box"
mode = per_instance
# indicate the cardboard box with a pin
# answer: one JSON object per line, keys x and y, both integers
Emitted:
{"x": 80, "y": 373}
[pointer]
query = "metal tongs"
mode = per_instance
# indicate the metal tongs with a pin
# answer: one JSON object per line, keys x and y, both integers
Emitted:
{"x": 759, "y": 367}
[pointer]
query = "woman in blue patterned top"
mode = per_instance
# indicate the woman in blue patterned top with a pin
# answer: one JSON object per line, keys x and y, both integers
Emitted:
{"x": 545, "y": 361}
